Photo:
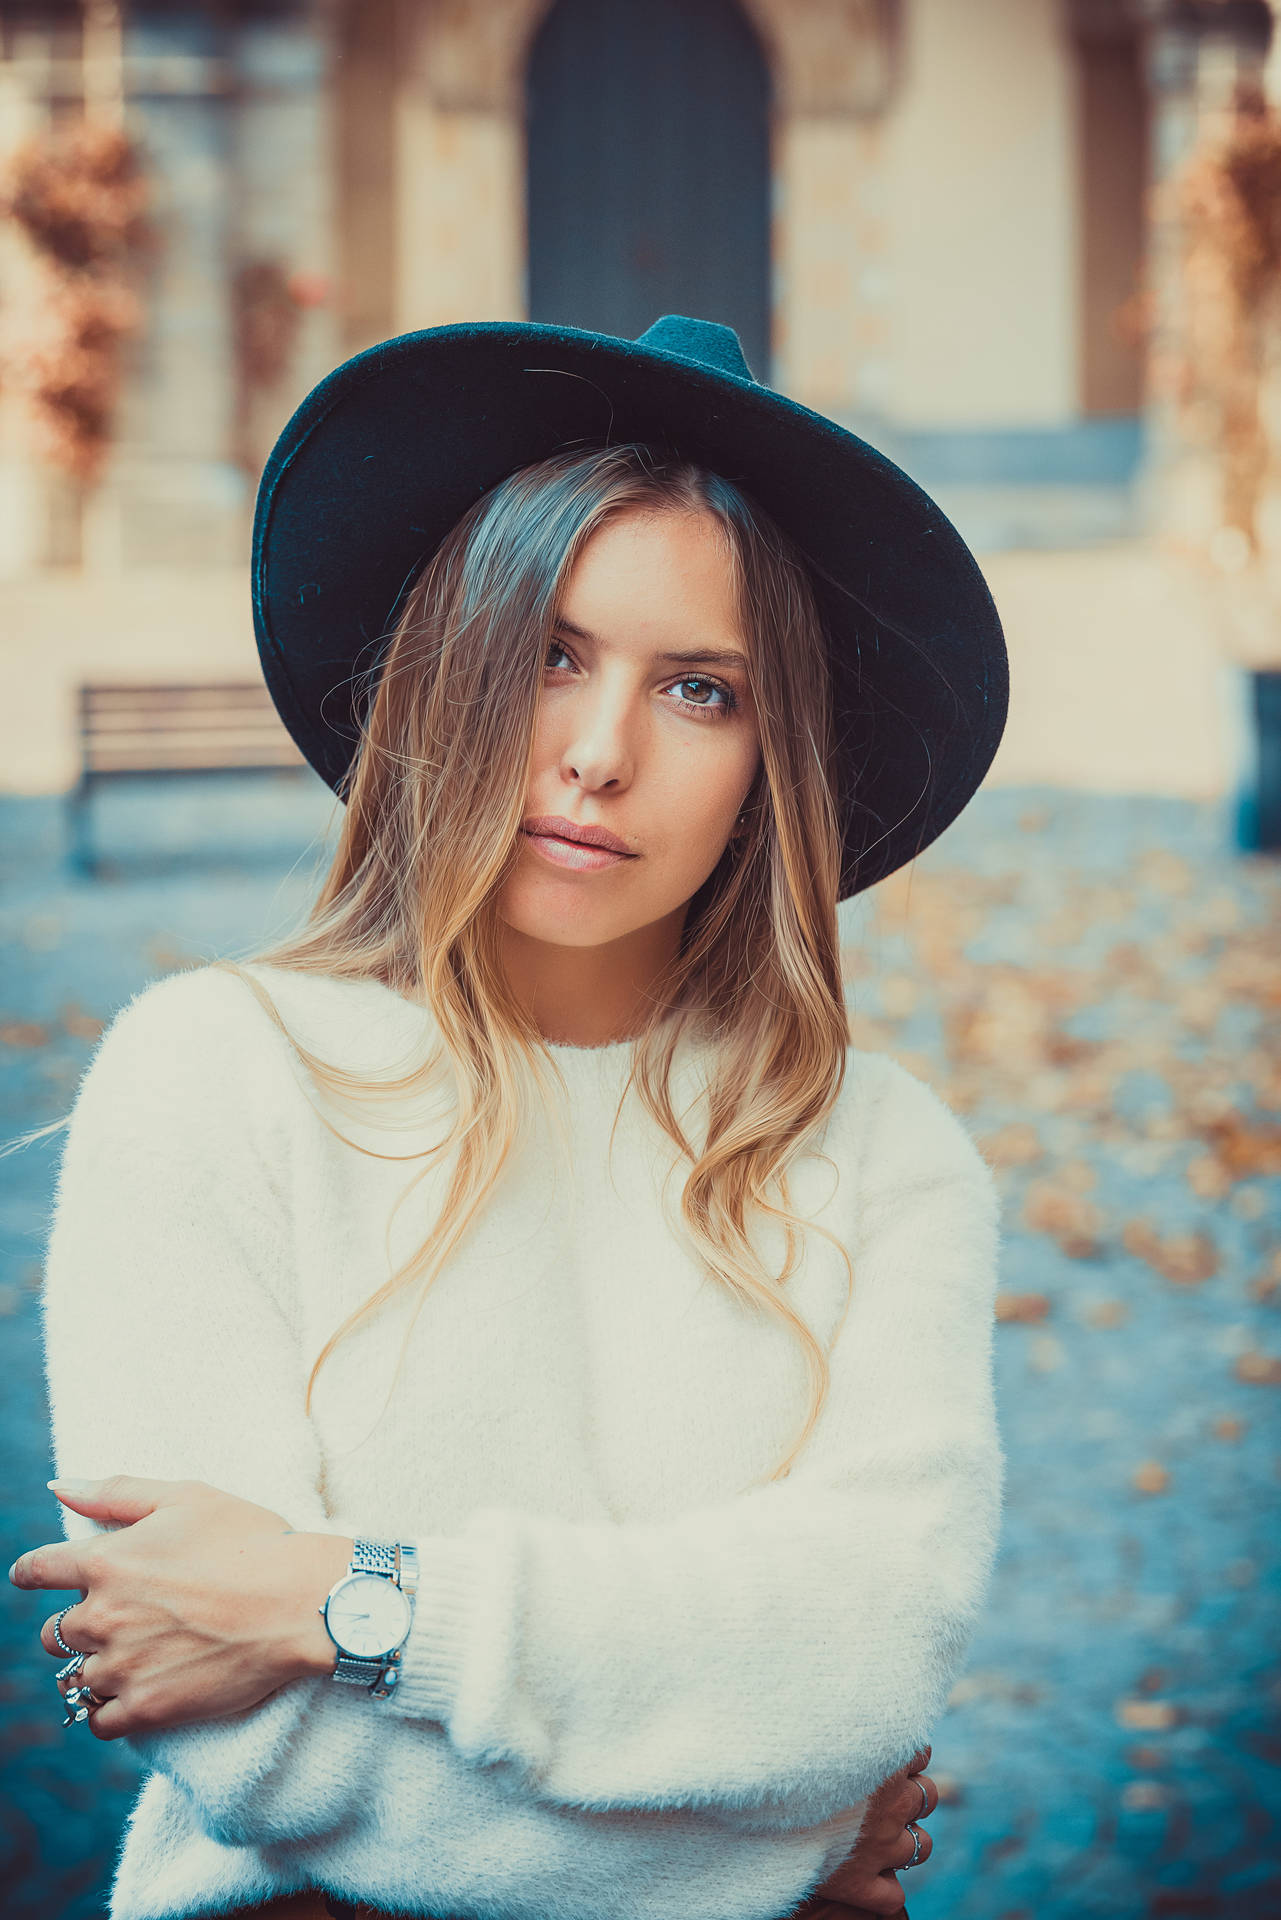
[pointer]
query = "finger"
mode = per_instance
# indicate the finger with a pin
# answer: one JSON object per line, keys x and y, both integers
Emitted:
{"x": 908, "y": 1803}
{"x": 77, "y": 1637}
{"x": 58, "y": 1564}
{"x": 123, "y": 1496}
{"x": 109, "y": 1721}
{"x": 920, "y": 1759}
{"x": 882, "y": 1895}
{"x": 927, "y": 1846}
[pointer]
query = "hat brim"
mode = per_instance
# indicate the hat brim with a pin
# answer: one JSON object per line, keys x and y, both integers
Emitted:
{"x": 387, "y": 452}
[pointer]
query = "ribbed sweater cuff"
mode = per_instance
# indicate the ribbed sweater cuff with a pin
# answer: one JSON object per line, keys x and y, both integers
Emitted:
{"x": 450, "y": 1589}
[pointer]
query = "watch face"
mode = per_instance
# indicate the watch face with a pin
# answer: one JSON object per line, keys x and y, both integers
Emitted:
{"x": 367, "y": 1615}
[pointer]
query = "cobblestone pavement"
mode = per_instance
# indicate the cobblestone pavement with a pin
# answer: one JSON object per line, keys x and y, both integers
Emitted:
{"x": 1093, "y": 982}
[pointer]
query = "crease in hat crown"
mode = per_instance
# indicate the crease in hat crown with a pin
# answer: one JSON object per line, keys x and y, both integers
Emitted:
{"x": 704, "y": 342}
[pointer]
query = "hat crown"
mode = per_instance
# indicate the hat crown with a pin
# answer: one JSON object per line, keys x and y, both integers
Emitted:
{"x": 706, "y": 342}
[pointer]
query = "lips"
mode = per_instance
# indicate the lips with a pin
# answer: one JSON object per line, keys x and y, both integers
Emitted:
{"x": 556, "y": 826}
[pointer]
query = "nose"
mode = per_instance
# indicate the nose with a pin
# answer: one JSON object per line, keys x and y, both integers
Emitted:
{"x": 599, "y": 752}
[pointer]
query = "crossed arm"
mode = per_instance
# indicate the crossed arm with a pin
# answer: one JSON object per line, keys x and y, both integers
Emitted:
{"x": 596, "y": 1672}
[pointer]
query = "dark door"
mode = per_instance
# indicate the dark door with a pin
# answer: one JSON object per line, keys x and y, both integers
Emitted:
{"x": 648, "y": 168}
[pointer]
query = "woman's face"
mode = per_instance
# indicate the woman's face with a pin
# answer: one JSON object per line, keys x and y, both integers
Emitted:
{"x": 636, "y": 734}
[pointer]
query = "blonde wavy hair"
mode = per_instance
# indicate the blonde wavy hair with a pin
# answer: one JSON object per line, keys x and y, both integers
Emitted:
{"x": 435, "y": 798}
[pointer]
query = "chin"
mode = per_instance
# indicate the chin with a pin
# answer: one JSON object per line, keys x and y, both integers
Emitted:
{"x": 527, "y": 909}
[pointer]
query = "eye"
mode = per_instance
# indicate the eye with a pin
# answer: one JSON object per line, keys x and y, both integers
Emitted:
{"x": 728, "y": 696}
{"x": 718, "y": 686}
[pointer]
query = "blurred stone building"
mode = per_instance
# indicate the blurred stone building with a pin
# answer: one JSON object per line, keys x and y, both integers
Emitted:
{"x": 929, "y": 219}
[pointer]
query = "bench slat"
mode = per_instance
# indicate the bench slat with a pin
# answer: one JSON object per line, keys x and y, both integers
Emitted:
{"x": 181, "y": 726}
{"x": 183, "y": 719}
{"x": 191, "y": 757}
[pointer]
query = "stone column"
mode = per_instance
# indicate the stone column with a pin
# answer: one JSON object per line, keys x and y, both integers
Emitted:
{"x": 284, "y": 209}
{"x": 172, "y": 496}
{"x": 460, "y": 159}
{"x": 835, "y": 66}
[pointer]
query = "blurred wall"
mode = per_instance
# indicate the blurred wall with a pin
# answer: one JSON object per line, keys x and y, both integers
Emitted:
{"x": 981, "y": 185}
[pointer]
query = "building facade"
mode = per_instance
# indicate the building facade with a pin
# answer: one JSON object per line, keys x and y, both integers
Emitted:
{"x": 930, "y": 219}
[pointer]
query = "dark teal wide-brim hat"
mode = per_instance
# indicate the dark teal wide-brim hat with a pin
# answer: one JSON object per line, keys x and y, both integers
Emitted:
{"x": 389, "y": 450}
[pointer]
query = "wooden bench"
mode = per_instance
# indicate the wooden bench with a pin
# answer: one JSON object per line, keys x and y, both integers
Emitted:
{"x": 143, "y": 731}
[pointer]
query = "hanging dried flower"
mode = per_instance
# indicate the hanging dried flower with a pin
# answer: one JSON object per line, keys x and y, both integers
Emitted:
{"x": 1228, "y": 198}
{"x": 80, "y": 197}
{"x": 268, "y": 301}
{"x": 82, "y": 200}
{"x": 73, "y": 375}
{"x": 266, "y": 312}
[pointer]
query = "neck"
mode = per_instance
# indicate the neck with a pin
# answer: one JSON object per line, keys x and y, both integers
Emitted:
{"x": 590, "y": 996}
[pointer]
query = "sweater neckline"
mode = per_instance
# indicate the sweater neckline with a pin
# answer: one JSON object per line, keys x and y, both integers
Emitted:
{"x": 608, "y": 1054}
{"x": 608, "y": 1049}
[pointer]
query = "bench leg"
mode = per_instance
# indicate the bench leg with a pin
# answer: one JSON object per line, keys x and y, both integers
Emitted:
{"x": 80, "y": 849}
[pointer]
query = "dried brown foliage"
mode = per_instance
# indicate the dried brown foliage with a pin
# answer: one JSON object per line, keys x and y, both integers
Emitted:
{"x": 80, "y": 198}
{"x": 1228, "y": 197}
{"x": 1182, "y": 973}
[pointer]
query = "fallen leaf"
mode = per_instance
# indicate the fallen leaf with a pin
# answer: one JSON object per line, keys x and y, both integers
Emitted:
{"x": 1208, "y": 1178}
{"x": 23, "y": 1033}
{"x": 1068, "y": 1217}
{"x": 1014, "y": 1145}
{"x": 1144, "y": 1796}
{"x": 1165, "y": 871}
{"x": 1150, "y": 1477}
{"x": 78, "y": 1023}
{"x": 1258, "y": 1369}
{"x": 1147, "y": 1716}
{"x": 1244, "y": 1146}
{"x": 1185, "y": 1258}
{"x": 1022, "y": 1306}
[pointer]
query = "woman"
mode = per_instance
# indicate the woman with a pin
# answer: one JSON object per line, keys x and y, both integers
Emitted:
{"x": 541, "y": 1369}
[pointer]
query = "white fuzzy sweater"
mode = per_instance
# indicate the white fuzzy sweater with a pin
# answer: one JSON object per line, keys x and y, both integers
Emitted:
{"x": 633, "y": 1690}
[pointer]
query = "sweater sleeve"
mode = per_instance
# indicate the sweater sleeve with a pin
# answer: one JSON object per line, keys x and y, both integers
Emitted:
{"x": 169, "y": 1354}
{"x": 766, "y": 1660}
{"x": 771, "y": 1658}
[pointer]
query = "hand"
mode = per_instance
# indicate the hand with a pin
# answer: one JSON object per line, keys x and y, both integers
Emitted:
{"x": 865, "y": 1883}
{"x": 199, "y": 1604}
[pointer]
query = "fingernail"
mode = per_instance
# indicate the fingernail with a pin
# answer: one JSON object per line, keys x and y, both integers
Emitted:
{"x": 71, "y": 1486}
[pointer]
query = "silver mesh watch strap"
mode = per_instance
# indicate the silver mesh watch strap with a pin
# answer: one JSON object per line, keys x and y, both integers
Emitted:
{"x": 374, "y": 1556}
{"x": 398, "y": 1562}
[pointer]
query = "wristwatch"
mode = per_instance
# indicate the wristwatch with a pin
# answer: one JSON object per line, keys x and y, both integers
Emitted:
{"x": 368, "y": 1614}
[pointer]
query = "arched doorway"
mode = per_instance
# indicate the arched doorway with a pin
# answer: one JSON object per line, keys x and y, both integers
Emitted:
{"x": 648, "y": 168}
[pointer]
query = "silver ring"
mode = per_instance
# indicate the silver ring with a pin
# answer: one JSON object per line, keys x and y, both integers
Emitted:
{"x": 73, "y": 1699}
{"x": 57, "y": 1629}
{"x": 915, "y": 1832}
{"x": 925, "y": 1796}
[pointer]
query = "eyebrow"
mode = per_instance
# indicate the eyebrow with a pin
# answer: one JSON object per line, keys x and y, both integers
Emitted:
{"x": 701, "y": 656}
